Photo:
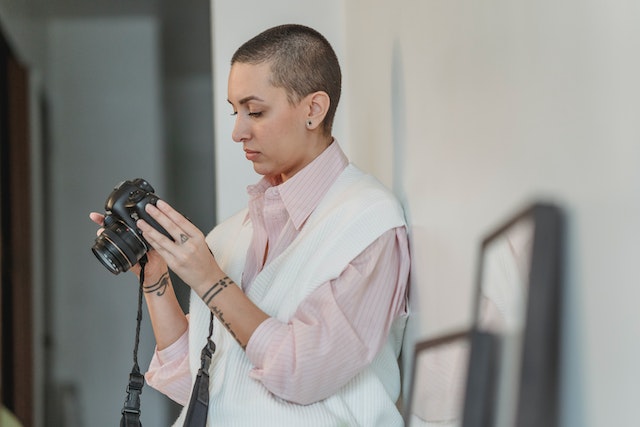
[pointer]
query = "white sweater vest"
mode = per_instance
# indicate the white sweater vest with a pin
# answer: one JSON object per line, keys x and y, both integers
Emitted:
{"x": 355, "y": 212}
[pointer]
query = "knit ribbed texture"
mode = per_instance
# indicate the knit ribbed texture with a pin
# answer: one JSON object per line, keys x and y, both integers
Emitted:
{"x": 354, "y": 213}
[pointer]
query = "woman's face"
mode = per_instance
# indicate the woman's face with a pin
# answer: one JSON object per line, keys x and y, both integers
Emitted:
{"x": 272, "y": 131}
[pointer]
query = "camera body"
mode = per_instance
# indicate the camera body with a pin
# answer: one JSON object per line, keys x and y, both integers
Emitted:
{"x": 121, "y": 245}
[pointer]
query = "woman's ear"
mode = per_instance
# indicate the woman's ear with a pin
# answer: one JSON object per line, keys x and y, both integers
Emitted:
{"x": 318, "y": 105}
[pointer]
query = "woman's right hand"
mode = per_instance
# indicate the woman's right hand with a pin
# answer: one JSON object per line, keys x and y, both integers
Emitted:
{"x": 156, "y": 266}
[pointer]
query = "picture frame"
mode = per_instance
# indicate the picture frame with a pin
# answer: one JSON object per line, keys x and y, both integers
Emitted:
{"x": 518, "y": 299}
{"x": 438, "y": 381}
{"x": 503, "y": 371}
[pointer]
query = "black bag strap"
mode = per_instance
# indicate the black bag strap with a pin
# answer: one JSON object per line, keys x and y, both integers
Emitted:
{"x": 199, "y": 403}
{"x": 131, "y": 408}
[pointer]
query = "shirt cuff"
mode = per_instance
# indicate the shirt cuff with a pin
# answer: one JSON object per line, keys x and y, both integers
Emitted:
{"x": 169, "y": 371}
{"x": 176, "y": 351}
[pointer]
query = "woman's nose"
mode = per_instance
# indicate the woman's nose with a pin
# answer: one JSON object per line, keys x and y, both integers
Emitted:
{"x": 240, "y": 131}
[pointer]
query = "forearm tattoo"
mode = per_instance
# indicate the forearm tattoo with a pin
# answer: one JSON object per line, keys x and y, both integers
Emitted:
{"x": 208, "y": 297}
{"x": 160, "y": 287}
{"x": 214, "y": 290}
{"x": 216, "y": 310}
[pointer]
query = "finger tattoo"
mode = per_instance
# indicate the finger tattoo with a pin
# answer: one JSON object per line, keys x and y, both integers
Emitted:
{"x": 217, "y": 287}
{"x": 183, "y": 238}
{"x": 160, "y": 287}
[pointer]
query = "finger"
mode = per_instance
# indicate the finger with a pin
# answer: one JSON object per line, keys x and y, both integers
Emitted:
{"x": 153, "y": 236}
{"x": 165, "y": 222}
{"x": 180, "y": 228}
{"x": 97, "y": 218}
{"x": 177, "y": 218}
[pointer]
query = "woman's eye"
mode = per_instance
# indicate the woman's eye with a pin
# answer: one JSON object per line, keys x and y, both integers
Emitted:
{"x": 235, "y": 113}
{"x": 255, "y": 114}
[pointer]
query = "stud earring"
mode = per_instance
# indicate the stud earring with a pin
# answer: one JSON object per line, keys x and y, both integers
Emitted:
{"x": 309, "y": 123}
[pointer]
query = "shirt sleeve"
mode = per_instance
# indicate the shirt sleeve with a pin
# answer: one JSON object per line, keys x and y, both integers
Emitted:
{"x": 338, "y": 329}
{"x": 169, "y": 371}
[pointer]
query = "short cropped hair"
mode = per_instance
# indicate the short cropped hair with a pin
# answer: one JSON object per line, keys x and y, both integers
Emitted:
{"x": 302, "y": 62}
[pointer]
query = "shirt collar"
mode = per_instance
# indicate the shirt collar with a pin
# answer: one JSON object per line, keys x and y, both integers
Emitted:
{"x": 302, "y": 193}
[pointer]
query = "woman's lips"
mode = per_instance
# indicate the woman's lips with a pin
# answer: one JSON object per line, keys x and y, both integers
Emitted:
{"x": 251, "y": 155}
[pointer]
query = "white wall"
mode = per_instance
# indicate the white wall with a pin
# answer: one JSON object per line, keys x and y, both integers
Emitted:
{"x": 469, "y": 110}
{"x": 104, "y": 90}
{"x": 487, "y": 105}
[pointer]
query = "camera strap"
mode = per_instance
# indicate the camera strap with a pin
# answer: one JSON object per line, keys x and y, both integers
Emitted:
{"x": 199, "y": 403}
{"x": 131, "y": 408}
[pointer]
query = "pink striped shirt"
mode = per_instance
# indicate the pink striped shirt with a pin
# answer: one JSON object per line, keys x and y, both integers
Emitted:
{"x": 351, "y": 314}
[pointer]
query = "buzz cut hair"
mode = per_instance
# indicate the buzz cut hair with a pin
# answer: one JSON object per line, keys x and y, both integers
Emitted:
{"x": 302, "y": 62}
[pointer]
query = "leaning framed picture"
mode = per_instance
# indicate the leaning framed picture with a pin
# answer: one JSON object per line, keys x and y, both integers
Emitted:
{"x": 438, "y": 381}
{"x": 518, "y": 300}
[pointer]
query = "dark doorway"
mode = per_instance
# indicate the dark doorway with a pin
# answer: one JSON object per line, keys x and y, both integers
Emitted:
{"x": 16, "y": 333}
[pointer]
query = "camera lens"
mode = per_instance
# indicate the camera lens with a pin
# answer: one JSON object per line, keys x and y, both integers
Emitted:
{"x": 118, "y": 248}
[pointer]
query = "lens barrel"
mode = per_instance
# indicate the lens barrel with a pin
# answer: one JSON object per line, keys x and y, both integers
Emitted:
{"x": 119, "y": 248}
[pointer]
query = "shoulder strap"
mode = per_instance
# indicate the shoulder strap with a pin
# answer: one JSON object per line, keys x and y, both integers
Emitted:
{"x": 199, "y": 403}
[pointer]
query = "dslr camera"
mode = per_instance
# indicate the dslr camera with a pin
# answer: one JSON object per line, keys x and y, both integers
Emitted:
{"x": 120, "y": 246}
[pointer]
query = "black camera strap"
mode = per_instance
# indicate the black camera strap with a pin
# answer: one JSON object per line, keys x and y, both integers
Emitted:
{"x": 131, "y": 408}
{"x": 199, "y": 403}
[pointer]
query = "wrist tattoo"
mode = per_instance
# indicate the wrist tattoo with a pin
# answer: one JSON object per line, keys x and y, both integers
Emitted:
{"x": 160, "y": 287}
{"x": 208, "y": 296}
{"x": 217, "y": 287}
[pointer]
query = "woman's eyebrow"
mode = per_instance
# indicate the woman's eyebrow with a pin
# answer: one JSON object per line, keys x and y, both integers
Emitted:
{"x": 247, "y": 99}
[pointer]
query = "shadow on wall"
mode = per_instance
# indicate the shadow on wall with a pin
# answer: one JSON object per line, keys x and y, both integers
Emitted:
{"x": 399, "y": 142}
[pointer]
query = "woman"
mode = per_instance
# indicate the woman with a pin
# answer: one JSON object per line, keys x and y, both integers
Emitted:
{"x": 308, "y": 283}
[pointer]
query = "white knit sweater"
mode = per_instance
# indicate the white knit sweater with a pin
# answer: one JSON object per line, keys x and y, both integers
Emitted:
{"x": 355, "y": 212}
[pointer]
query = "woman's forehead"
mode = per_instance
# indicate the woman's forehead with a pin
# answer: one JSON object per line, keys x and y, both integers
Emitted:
{"x": 251, "y": 81}
{"x": 245, "y": 73}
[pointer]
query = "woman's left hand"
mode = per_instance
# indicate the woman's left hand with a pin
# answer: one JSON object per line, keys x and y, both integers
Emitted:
{"x": 188, "y": 255}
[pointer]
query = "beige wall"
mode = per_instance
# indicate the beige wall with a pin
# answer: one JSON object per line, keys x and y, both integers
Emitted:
{"x": 471, "y": 109}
